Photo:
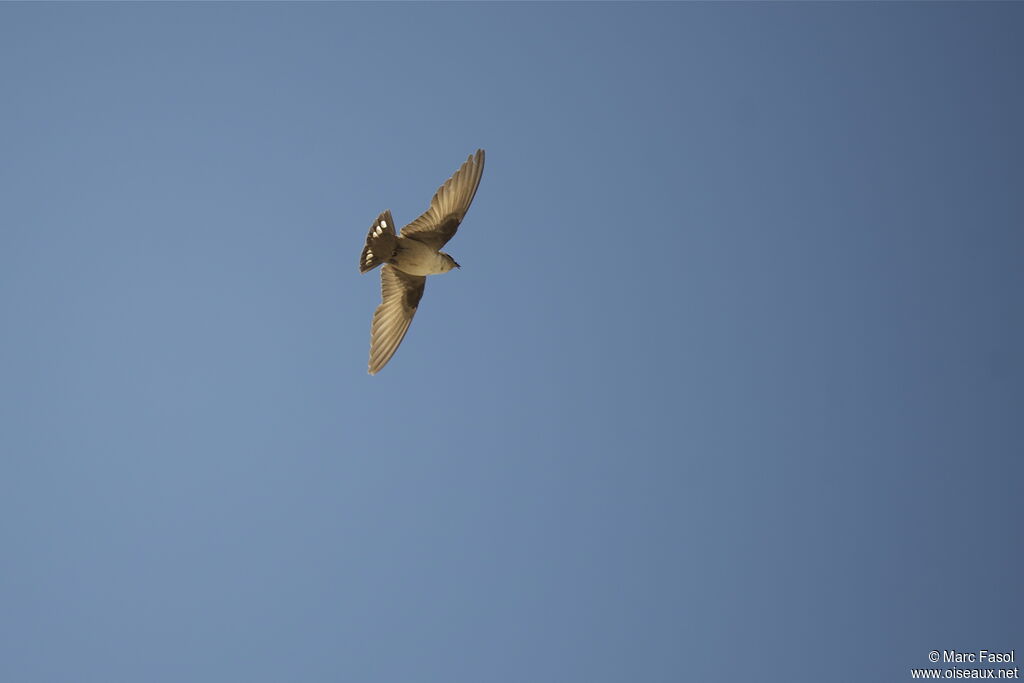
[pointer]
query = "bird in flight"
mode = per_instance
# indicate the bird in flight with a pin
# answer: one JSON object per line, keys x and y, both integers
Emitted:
{"x": 412, "y": 255}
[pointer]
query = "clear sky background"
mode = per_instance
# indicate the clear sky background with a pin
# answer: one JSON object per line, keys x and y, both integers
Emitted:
{"x": 729, "y": 387}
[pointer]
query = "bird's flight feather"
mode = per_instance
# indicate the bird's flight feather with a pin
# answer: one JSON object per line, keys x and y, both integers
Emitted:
{"x": 400, "y": 297}
{"x": 438, "y": 224}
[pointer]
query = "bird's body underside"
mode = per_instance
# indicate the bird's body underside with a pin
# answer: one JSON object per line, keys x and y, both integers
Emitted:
{"x": 407, "y": 258}
{"x": 408, "y": 255}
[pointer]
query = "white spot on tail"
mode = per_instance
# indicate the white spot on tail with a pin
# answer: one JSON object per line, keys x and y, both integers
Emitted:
{"x": 383, "y": 224}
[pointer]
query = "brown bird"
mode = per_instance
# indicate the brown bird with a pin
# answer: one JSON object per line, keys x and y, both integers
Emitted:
{"x": 412, "y": 255}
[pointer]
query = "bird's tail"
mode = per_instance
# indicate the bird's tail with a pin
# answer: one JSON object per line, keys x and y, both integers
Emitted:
{"x": 380, "y": 243}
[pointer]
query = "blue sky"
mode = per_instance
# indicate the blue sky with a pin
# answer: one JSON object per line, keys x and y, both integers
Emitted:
{"x": 730, "y": 382}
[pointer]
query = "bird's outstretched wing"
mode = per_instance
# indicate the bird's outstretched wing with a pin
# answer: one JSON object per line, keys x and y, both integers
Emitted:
{"x": 400, "y": 297}
{"x": 438, "y": 224}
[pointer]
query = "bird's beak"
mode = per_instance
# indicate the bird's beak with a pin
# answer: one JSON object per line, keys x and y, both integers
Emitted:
{"x": 456, "y": 264}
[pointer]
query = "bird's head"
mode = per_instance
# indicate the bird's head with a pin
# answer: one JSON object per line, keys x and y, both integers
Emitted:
{"x": 450, "y": 261}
